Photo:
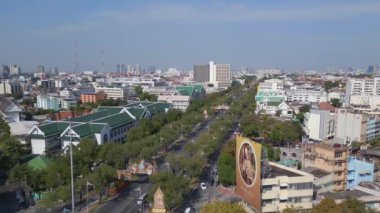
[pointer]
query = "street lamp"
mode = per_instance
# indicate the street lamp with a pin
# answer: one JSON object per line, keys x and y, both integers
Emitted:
{"x": 72, "y": 170}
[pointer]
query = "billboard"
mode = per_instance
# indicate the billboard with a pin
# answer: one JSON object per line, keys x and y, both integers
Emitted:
{"x": 248, "y": 171}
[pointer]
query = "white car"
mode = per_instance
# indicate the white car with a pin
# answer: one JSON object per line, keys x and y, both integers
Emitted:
{"x": 203, "y": 186}
{"x": 188, "y": 210}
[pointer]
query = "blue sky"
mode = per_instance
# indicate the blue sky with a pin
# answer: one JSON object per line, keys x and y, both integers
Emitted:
{"x": 272, "y": 34}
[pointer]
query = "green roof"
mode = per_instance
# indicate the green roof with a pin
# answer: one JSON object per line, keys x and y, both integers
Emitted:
{"x": 92, "y": 116}
{"x": 110, "y": 109}
{"x": 158, "y": 107}
{"x": 116, "y": 120}
{"x": 53, "y": 128}
{"x": 274, "y": 103}
{"x": 136, "y": 112}
{"x": 185, "y": 90}
{"x": 198, "y": 88}
{"x": 39, "y": 162}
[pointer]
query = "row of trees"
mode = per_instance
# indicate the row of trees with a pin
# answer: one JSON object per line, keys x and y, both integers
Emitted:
{"x": 328, "y": 205}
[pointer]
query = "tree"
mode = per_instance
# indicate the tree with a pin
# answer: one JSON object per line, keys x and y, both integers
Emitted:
{"x": 222, "y": 207}
{"x": 12, "y": 151}
{"x": 352, "y": 205}
{"x": 226, "y": 169}
{"x": 327, "y": 205}
{"x": 85, "y": 155}
{"x": 335, "y": 102}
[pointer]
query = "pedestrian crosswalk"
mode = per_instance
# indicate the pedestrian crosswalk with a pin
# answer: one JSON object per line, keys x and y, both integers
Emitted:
{"x": 199, "y": 204}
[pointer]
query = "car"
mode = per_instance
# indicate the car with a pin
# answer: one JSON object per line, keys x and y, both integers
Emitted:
{"x": 203, "y": 186}
{"x": 188, "y": 210}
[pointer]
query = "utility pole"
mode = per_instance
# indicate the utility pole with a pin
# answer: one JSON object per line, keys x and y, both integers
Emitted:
{"x": 72, "y": 171}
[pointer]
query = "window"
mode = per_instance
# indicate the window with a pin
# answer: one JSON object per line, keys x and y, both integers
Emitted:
{"x": 300, "y": 186}
{"x": 338, "y": 154}
{"x": 284, "y": 154}
{"x": 294, "y": 155}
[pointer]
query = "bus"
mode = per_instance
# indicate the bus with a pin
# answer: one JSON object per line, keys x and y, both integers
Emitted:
{"x": 141, "y": 198}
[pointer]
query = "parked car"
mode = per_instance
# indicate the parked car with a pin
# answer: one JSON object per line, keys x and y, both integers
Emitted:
{"x": 203, "y": 186}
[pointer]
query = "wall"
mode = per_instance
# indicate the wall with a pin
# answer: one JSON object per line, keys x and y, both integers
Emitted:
{"x": 359, "y": 171}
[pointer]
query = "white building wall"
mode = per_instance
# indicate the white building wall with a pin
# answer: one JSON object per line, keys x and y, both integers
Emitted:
{"x": 348, "y": 126}
{"x": 38, "y": 146}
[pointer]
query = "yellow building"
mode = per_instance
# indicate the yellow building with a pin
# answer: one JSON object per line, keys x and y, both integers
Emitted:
{"x": 330, "y": 158}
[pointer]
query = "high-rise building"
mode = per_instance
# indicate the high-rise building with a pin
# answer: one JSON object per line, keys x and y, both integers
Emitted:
{"x": 202, "y": 73}
{"x": 217, "y": 74}
{"x": 151, "y": 69}
{"x": 15, "y": 70}
{"x": 137, "y": 69}
{"x": 6, "y": 71}
{"x": 223, "y": 75}
{"x": 40, "y": 68}
{"x": 129, "y": 68}
{"x": 373, "y": 69}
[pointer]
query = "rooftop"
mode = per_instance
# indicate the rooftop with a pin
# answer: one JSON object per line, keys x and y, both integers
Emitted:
{"x": 345, "y": 194}
{"x": 316, "y": 172}
{"x": 277, "y": 171}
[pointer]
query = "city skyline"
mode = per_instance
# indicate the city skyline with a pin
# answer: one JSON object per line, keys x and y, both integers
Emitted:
{"x": 291, "y": 35}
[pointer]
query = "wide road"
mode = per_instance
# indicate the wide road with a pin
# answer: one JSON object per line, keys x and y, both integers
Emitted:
{"x": 127, "y": 200}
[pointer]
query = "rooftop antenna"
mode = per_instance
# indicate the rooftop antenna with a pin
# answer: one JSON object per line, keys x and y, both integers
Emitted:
{"x": 76, "y": 56}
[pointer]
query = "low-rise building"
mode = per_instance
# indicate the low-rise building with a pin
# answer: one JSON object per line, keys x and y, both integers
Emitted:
{"x": 306, "y": 94}
{"x": 9, "y": 111}
{"x": 92, "y": 97}
{"x": 113, "y": 92}
{"x": 358, "y": 171}
{"x": 323, "y": 181}
{"x": 330, "y": 158}
{"x": 285, "y": 188}
{"x": 68, "y": 103}
{"x": 48, "y": 102}
{"x": 107, "y": 124}
{"x": 182, "y": 96}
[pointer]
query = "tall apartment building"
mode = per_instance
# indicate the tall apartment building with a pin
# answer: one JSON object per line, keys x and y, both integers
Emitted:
{"x": 10, "y": 87}
{"x": 218, "y": 74}
{"x": 364, "y": 91}
{"x": 113, "y": 92}
{"x": 319, "y": 123}
{"x": 40, "y": 68}
{"x": 15, "y": 69}
{"x": 202, "y": 73}
{"x": 330, "y": 158}
{"x": 6, "y": 71}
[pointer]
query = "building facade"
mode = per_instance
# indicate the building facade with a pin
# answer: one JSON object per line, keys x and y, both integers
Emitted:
{"x": 10, "y": 87}
{"x": 328, "y": 157}
{"x": 201, "y": 73}
{"x": 48, "y": 102}
{"x": 112, "y": 92}
{"x": 363, "y": 92}
{"x": 358, "y": 171}
{"x": 92, "y": 97}
{"x": 287, "y": 187}
{"x": 319, "y": 125}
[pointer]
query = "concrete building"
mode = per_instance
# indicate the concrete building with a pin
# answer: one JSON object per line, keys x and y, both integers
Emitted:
{"x": 363, "y": 92}
{"x": 271, "y": 85}
{"x": 357, "y": 125}
{"x": 68, "y": 103}
{"x": 113, "y": 92}
{"x": 181, "y": 97}
{"x": 329, "y": 158}
{"x": 6, "y": 71}
{"x": 323, "y": 181}
{"x": 222, "y": 75}
{"x": 202, "y": 73}
{"x": 10, "y": 87}
{"x": 306, "y": 94}
{"x": 9, "y": 111}
{"x": 15, "y": 69}
{"x": 285, "y": 188}
{"x": 358, "y": 171}
{"x": 48, "y": 102}
{"x": 319, "y": 124}
{"x": 92, "y": 97}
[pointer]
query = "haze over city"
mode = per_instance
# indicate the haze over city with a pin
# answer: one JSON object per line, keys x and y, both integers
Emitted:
{"x": 293, "y": 35}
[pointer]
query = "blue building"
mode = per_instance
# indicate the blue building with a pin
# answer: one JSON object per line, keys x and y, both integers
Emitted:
{"x": 358, "y": 171}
